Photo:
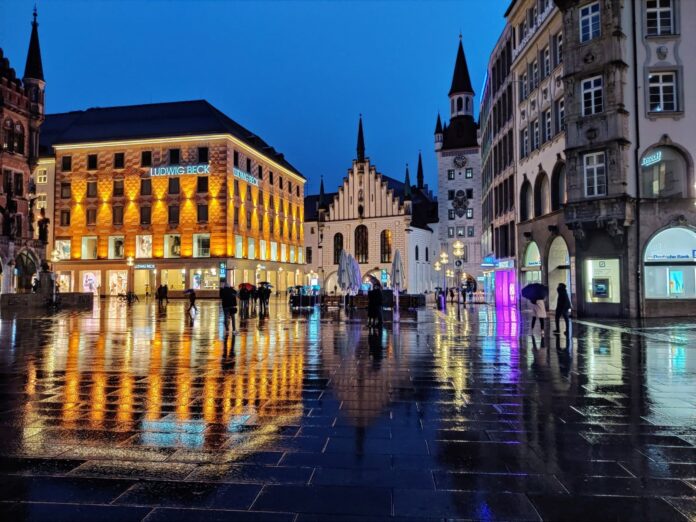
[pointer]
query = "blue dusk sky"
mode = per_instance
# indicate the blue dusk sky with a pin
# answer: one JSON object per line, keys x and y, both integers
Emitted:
{"x": 298, "y": 74}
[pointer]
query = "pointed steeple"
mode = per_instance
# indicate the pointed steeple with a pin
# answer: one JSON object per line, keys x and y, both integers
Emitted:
{"x": 322, "y": 197}
{"x": 438, "y": 125}
{"x": 419, "y": 172}
{"x": 407, "y": 185}
{"x": 461, "y": 83}
{"x": 361, "y": 141}
{"x": 34, "y": 67}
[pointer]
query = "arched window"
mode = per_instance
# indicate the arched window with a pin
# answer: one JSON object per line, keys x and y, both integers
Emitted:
{"x": 385, "y": 241}
{"x": 361, "y": 250}
{"x": 558, "y": 187}
{"x": 526, "y": 201}
{"x": 459, "y": 104}
{"x": 416, "y": 252}
{"x": 541, "y": 195}
{"x": 663, "y": 173}
{"x": 468, "y": 104}
{"x": 8, "y": 136}
{"x": 338, "y": 247}
{"x": 670, "y": 267}
{"x": 19, "y": 139}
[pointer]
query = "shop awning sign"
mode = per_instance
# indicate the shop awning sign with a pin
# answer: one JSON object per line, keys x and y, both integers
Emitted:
{"x": 180, "y": 170}
{"x": 245, "y": 176}
{"x": 144, "y": 266}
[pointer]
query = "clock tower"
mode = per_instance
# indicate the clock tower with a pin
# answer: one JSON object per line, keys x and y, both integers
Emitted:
{"x": 459, "y": 178}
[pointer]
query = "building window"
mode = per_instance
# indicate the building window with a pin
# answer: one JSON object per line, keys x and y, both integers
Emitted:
{"x": 546, "y": 120}
{"x": 89, "y": 247}
{"x": 589, "y": 22}
{"x": 65, "y": 192}
{"x": 558, "y": 49}
{"x": 461, "y": 231}
{"x": 248, "y": 165}
{"x": 670, "y": 266}
{"x": 173, "y": 217}
{"x": 524, "y": 142}
{"x": 64, "y": 218}
{"x": 280, "y": 182}
{"x": 202, "y": 185}
{"x": 118, "y": 215}
{"x": 416, "y": 252}
{"x": 143, "y": 246}
{"x": 659, "y": 17}
{"x": 91, "y": 216}
{"x": 174, "y": 187}
{"x": 118, "y": 188}
{"x": 63, "y": 247}
{"x": 663, "y": 91}
{"x": 592, "y": 96}
{"x": 116, "y": 244}
{"x": 202, "y": 154}
{"x": 470, "y": 231}
{"x": 385, "y": 241}
{"x": 469, "y": 213}
{"x": 534, "y": 79}
{"x": 145, "y": 215}
{"x": 546, "y": 54}
{"x": 523, "y": 86}
{"x": 560, "y": 115}
{"x": 450, "y": 214}
{"x": 469, "y": 193}
{"x": 201, "y": 245}
{"x": 450, "y": 195}
{"x": 146, "y": 158}
{"x": 535, "y": 134}
{"x": 41, "y": 201}
{"x": 119, "y": 160}
{"x": 595, "y": 175}
{"x": 469, "y": 173}
{"x": 361, "y": 244}
{"x": 202, "y": 213}
{"x": 663, "y": 173}
{"x": 41, "y": 176}
{"x": 172, "y": 246}
{"x": 174, "y": 156}
{"x": 450, "y": 231}
{"x": 66, "y": 163}
{"x": 91, "y": 162}
{"x": 146, "y": 187}
{"x": 337, "y": 247}
{"x": 235, "y": 158}
{"x": 308, "y": 255}
{"x": 450, "y": 174}
{"x": 18, "y": 184}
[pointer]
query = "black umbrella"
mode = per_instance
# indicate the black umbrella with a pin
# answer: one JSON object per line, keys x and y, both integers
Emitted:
{"x": 535, "y": 291}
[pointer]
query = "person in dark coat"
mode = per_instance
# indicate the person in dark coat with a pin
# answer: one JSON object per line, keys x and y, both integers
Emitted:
{"x": 562, "y": 307}
{"x": 228, "y": 301}
{"x": 374, "y": 306}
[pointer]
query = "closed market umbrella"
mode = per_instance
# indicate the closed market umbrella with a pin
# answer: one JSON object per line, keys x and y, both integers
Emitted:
{"x": 397, "y": 278}
{"x": 356, "y": 278}
{"x": 343, "y": 274}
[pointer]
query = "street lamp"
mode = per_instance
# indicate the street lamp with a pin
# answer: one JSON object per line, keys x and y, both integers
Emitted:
{"x": 458, "y": 251}
{"x": 129, "y": 262}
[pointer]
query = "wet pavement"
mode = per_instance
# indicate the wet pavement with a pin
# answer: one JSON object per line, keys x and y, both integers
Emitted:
{"x": 134, "y": 414}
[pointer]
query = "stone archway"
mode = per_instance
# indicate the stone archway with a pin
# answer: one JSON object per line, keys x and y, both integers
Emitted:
{"x": 557, "y": 268}
{"x": 26, "y": 267}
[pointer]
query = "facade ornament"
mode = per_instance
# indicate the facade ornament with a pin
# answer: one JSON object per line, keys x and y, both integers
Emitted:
{"x": 679, "y": 221}
{"x": 662, "y": 52}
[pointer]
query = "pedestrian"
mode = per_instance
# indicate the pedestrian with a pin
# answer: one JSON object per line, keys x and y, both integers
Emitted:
{"x": 451, "y": 292}
{"x": 562, "y": 307}
{"x": 374, "y": 306}
{"x": 228, "y": 301}
{"x": 159, "y": 294}
{"x": 244, "y": 298}
{"x": 192, "y": 302}
{"x": 538, "y": 312}
{"x": 166, "y": 293}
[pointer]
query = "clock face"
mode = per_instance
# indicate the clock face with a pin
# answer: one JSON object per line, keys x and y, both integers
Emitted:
{"x": 460, "y": 161}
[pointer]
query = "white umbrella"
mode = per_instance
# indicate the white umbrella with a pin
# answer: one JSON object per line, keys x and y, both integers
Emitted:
{"x": 397, "y": 279}
{"x": 356, "y": 276}
{"x": 343, "y": 271}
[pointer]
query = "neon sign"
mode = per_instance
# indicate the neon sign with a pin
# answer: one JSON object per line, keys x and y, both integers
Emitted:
{"x": 245, "y": 176}
{"x": 180, "y": 170}
{"x": 144, "y": 266}
{"x": 223, "y": 270}
{"x": 651, "y": 159}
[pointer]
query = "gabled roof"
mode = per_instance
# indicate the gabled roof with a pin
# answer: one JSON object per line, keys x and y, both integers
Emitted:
{"x": 460, "y": 79}
{"x": 156, "y": 120}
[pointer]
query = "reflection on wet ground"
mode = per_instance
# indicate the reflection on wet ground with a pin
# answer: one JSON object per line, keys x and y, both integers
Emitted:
{"x": 130, "y": 414}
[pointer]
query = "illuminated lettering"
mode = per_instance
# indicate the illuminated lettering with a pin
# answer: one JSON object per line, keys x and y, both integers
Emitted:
{"x": 245, "y": 176}
{"x": 180, "y": 170}
{"x": 656, "y": 157}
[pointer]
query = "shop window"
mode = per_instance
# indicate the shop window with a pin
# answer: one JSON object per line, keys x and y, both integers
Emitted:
{"x": 146, "y": 158}
{"x": 174, "y": 279}
{"x": 670, "y": 264}
{"x": 201, "y": 245}
{"x": 91, "y": 189}
{"x": 663, "y": 173}
{"x": 116, "y": 247}
{"x": 172, "y": 246}
{"x": 62, "y": 248}
{"x": 602, "y": 280}
{"x": 205, "y": 279}
{"x": 119, "y": 160}
{"x": 143, "y": 246}
{"x": 92, "y": 162}
{"x": 89, "y": 247}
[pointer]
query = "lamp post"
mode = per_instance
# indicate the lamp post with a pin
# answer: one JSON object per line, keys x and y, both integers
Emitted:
{"x": 130, "y": 262}
{"x": 458, "y": 251}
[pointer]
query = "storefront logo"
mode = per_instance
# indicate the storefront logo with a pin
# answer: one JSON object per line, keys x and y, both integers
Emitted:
{"x": 223, "y": 270}
{"x": 144, "y": 266}
{"x": 180, "y": 170}
{"x": 245, "y": 176}
{"x": 489, "y": 261}
{"x": 651, "y": 159}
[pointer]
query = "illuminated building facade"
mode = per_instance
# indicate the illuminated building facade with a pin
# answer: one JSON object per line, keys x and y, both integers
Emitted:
{"x": 171, "y": 193}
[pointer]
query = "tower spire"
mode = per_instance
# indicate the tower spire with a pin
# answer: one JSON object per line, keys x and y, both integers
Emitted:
{"x": 322, "y": 197}
{"x": 461, "y": 82}
{"x": 407, "y": 185}
{"x": 419, "y": 172}
{"x": 34, "y": 67}
{"x": 361, "y": 141}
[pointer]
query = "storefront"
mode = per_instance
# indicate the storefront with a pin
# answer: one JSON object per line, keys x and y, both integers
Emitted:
{"x": 602, "y": 280}
{"x": 506, "y": 290}
{"x": 559, "y": 270}
{"x": 144, "y": 278}
{"x": 531, "y": 265}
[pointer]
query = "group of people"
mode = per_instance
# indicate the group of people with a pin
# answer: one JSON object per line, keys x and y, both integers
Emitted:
{"x": 253, "y": 298}
{"x": 162, "y": 295}
{"x": 562, "y": 310}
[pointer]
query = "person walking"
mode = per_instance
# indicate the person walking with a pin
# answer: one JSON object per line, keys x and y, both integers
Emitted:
{"x": 192, "y": 302}
{"x": 165, "y": 293}
{"x": 228, "y": 301}
{"x": 244, "y": 298}
{"x": 562, "y": 308}
{"x": 159, "y": 294}
{"x": 538, "y": 312}
{"x": 451, "y": 292}
{"x": 374, "y": 306}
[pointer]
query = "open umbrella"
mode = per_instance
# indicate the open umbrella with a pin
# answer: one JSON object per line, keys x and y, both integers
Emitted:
{"x": 535, "y": 291}
{"x": 248, "y": 286}
{"x": 397, "y": 278}
{"x": 188, "y": 291}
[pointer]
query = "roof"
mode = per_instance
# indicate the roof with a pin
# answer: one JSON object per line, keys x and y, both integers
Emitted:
{"x": 460, "y": 79}
{"x": 311, "y": 205}
{"x": 461, "y": 133}
{"x": 34, "y": 67}
{"x": 155, "y": 120}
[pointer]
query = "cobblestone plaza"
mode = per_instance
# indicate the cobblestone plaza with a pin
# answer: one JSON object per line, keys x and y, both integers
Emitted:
{"x": 134, "y": 413}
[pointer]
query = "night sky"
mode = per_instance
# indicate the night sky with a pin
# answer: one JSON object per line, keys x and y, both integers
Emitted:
{"x": 295, "y": 73}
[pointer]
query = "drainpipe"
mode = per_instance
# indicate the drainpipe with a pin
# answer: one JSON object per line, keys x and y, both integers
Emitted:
{"x": 639, "y": 268}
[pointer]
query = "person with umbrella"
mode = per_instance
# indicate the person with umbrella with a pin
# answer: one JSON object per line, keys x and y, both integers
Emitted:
{"x": 228, "y": 300}
{"x": 536, "y": 293}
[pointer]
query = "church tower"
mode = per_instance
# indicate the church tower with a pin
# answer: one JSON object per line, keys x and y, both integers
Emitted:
{"x": 35, "y": 87}
{"x": 459, "y": 177}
